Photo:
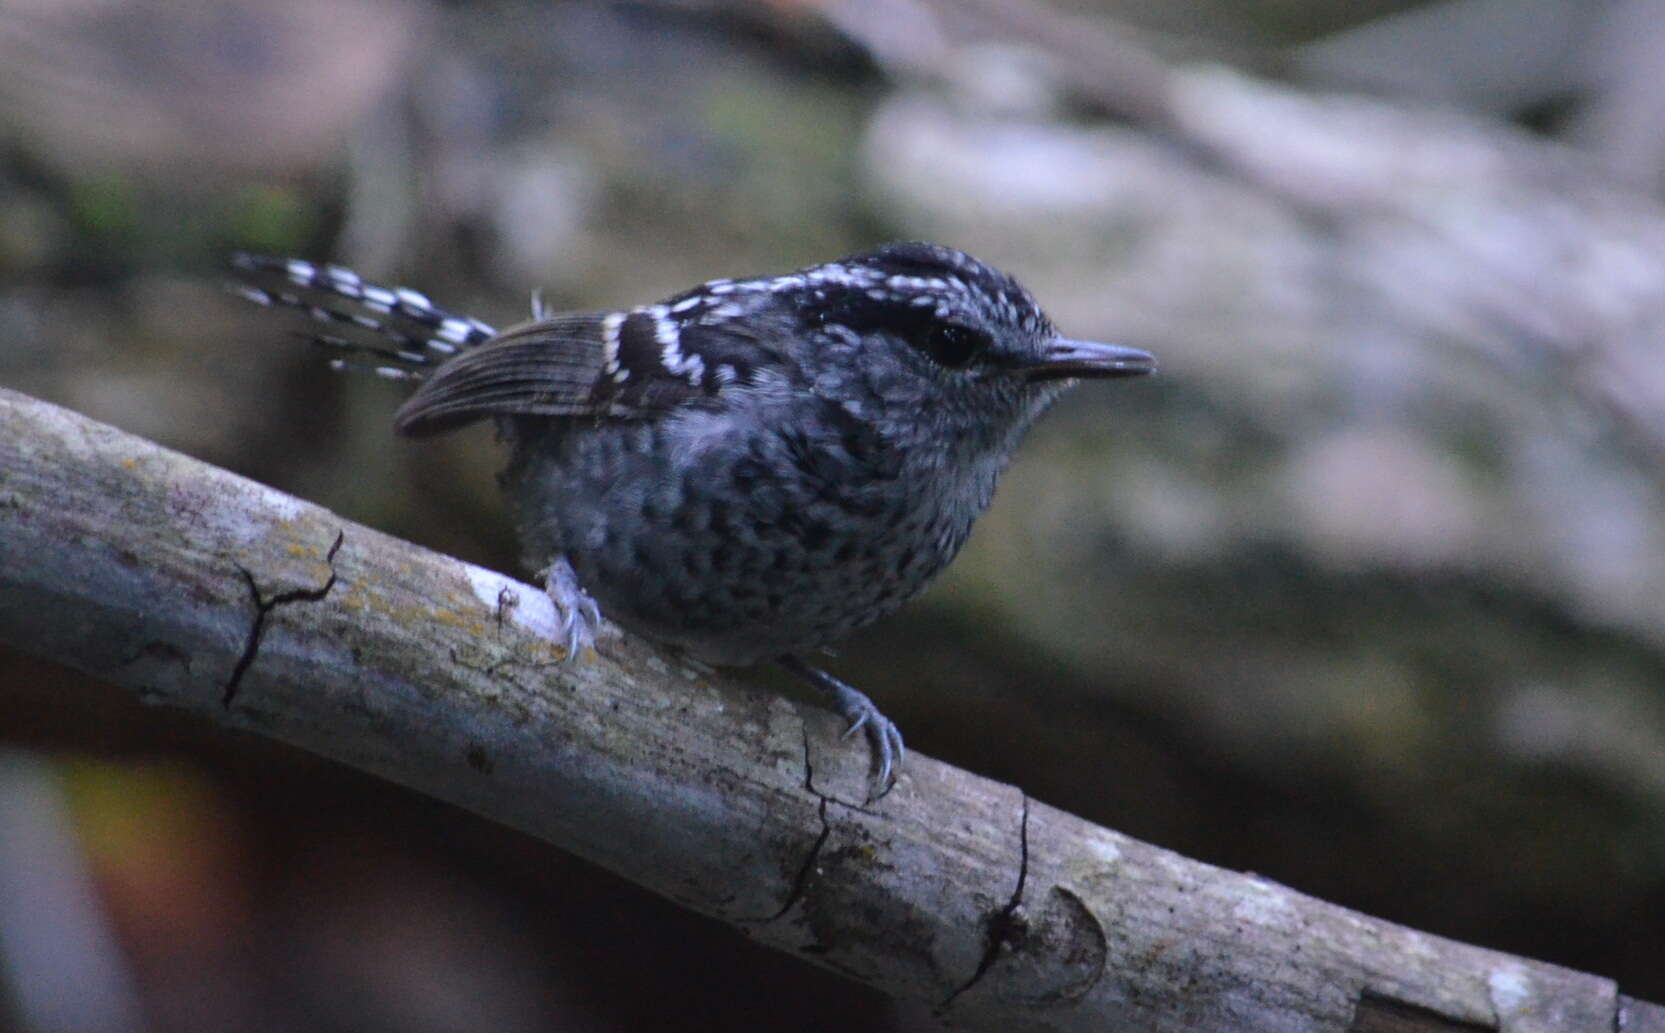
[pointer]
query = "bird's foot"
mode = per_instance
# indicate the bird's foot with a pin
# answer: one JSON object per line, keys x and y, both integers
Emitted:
{"x": 579, "y": 616}
{"x": 883, "y": 736}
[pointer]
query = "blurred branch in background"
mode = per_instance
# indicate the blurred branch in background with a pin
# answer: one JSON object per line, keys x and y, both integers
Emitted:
{"x": 1458, "y": 232}
{"x": 1624, "y": 123}
{"x": 174, "y": 87}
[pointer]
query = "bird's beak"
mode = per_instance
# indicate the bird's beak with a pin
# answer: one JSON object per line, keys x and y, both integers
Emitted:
{"x": 1064, "y": 358}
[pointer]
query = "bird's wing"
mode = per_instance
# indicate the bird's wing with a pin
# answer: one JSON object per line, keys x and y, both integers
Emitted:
{"x": 622, "y": 365}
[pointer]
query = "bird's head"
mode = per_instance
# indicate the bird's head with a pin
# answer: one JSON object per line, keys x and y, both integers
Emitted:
{"x": 925, "y": 325}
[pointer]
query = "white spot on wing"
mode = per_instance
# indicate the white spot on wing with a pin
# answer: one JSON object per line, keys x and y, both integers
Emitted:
{"x": 689, "y": 367}
{"x": 610, "y": 324}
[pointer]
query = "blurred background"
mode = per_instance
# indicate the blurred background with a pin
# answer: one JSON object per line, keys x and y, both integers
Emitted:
{"x": 1365, "y": 592}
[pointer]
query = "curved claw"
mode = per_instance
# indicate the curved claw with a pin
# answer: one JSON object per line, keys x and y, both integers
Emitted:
{"x": 579, "y": 614}
{"x": 883, "y": 736}
{"x": 858, "y": 722}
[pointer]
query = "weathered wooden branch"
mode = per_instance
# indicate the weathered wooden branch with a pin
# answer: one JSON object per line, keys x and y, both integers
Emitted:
{"x": 199, "y": 589}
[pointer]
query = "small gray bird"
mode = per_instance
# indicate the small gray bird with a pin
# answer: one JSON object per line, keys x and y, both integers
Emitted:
{"x": 748, "y": 470}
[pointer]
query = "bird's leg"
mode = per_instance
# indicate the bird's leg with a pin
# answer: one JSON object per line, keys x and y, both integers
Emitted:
{"x": 854, "y": 706}
{"x": 578, "y": 613}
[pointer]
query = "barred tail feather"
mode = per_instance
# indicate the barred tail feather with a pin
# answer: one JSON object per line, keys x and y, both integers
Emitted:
{"x": 399, "y": 332}
{"x": 358, "y": 357}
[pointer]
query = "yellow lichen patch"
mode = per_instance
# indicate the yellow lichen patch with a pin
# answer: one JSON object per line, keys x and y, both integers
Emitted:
{"x": 554, "y": 652}
{"x": 467, "y": 622}
{"x": 360, "y": 597}
{"x": 354, "y": 597}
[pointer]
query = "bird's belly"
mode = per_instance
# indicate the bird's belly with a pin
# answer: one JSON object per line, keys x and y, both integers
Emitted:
{"x": 737, "y": 579}
{"x": 738, "y": 565}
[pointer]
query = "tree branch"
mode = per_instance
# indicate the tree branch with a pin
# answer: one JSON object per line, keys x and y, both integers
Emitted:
{"x": 199, "y": 589}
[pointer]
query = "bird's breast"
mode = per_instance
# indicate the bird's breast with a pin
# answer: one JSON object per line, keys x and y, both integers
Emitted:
{"x": 742, "y": 546}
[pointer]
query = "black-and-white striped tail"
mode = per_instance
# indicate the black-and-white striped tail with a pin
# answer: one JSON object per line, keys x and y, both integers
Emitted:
{"x": 400, "y": 333}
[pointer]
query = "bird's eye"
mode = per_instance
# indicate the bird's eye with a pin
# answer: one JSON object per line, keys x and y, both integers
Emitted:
{"x": 953, "y": 345}
{"x": 949, "y": 344}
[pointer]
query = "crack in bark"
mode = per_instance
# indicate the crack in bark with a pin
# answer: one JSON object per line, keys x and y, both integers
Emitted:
{"x": 800, "y": 883}
{"x": 1005, "y": 926}
{"x": 262, "y": 607}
